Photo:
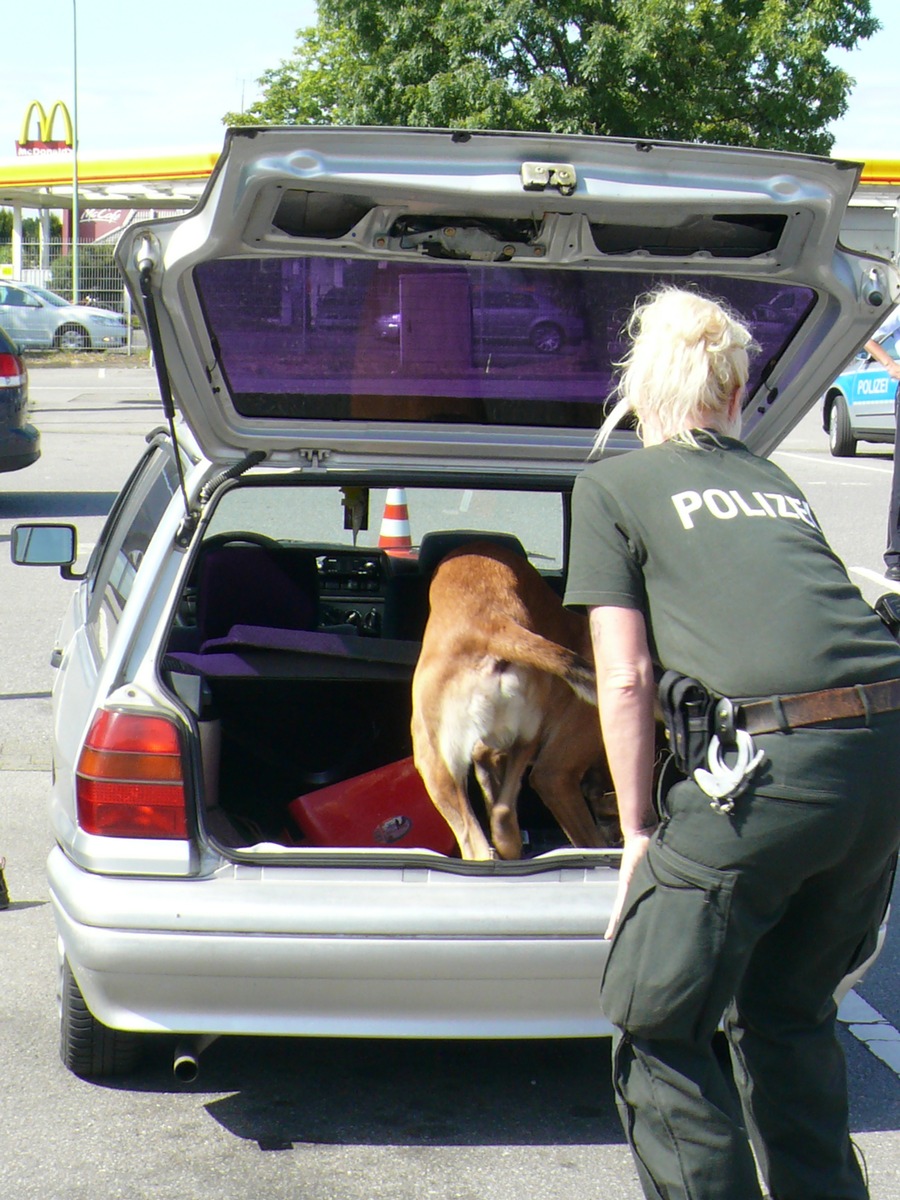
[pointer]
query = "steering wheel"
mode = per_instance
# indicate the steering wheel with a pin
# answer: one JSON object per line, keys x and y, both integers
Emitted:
{"x": 238, "y": 537}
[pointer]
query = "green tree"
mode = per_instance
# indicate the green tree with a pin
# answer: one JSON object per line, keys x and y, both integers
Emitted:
{"x": 744, "y": 72}
{"x": 100, "y": 281}
{"x": 31, "y": 227}
{"x": 31, "y": 232}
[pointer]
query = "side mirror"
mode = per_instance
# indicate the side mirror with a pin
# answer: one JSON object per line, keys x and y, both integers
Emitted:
{"x": 45, "y": 546}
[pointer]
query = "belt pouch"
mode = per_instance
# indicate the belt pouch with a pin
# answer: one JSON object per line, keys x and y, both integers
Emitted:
{"x": 888, "y": 608}
{"x": 687, "y": 709}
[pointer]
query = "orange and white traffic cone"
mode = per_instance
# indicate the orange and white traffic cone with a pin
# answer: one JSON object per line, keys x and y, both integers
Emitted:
{"x": 395, "y": 535}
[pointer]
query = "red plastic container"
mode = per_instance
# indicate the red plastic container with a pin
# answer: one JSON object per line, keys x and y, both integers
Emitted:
{"x": 385, "y": 807}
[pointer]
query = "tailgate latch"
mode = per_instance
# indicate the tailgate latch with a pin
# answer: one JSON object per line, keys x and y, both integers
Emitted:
{"x": 311, "y": 457}
{"x": 538, "y": 177}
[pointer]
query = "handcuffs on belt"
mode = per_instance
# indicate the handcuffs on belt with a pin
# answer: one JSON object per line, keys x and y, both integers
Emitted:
{"x": 724, "y": 783}
{"x": 701, "y": 728}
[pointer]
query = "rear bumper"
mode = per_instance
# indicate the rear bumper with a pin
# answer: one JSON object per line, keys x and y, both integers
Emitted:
{"x": 19, "y": 448}
{"x": 250, "y": 979}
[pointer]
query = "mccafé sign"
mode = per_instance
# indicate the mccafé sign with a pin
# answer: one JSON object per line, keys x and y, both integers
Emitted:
{"x": 37, "y": 120}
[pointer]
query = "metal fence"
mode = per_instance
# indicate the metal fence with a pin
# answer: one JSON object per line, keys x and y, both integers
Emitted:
{"x": 49, "y": 264}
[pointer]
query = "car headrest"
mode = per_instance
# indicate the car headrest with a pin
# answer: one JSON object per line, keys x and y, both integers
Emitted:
{"x": 242, "y": 584}
{"x": 437, "y": 545}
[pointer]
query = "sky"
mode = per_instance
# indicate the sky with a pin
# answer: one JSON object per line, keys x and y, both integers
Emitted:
{"x": 159, "y": 77}
{"x": 151, "y": 77}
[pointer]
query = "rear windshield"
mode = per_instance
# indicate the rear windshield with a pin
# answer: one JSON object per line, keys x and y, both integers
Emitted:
{"x": 319, "y": 516}
{"x": 348, "y": 339}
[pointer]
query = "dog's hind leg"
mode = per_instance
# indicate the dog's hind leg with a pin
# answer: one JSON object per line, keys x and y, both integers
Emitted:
{"x": 556, "y": 776}
{"x": 441, "y": 741}
{"x": 500, "y": 776}
{"x": 448, "y": 795}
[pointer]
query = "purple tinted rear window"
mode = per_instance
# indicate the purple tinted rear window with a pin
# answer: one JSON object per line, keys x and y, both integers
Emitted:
{"x": 350, "y": 339}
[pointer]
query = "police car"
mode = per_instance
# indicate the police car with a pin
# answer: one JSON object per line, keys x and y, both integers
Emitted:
{"x": 859, "y": 405}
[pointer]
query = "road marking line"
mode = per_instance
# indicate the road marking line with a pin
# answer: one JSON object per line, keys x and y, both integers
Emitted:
{"x": 875, "y": 577}
{"x": 842, "y": 462}
{"x": 872, "y": 1029}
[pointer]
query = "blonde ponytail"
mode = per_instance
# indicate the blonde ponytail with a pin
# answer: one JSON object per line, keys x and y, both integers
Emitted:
{"x": 688, "y": 357}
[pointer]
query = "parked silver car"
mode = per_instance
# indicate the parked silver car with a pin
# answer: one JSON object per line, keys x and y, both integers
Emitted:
{"x": 508, "y": 317}
{"x": 242, "y": 846}
{"x": 39, "y": 319}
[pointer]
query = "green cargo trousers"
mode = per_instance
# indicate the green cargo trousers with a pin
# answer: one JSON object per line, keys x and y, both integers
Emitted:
{"x": 751, "y": 920}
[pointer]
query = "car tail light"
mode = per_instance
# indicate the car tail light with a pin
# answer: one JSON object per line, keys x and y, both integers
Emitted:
{"x": 130, "y": 778}
{"x": 12, "y": 370}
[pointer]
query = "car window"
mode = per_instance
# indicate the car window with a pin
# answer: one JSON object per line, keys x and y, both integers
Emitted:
{"x": 12, "y": 297}
{"x": 51, "y": 297}
{"x": 489, "y": 299}
{"x": 331, "y": 339}
{"x": 321, "y": 516}
{"x": 123, "y": 543}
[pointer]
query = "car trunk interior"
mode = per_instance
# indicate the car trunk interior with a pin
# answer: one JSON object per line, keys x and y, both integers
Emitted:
{"x": 325, "y": 764}
{"x": 297, "y": 660}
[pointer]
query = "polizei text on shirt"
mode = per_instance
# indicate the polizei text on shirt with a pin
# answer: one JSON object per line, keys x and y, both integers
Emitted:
{"x": 725, "y": 506}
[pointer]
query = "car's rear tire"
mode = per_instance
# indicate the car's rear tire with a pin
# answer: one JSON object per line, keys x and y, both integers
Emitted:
{"x": 841, "y": 441}
{"x": 86, "y": 1046}
{"x": 72, "y": 337}
{"x": 547, "y": 337}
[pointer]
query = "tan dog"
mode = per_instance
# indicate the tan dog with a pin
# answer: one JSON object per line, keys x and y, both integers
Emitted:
{"x": 504, "y": 680}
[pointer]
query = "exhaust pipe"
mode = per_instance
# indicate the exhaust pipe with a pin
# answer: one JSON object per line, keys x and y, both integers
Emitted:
{"x": 186, "y": 1065}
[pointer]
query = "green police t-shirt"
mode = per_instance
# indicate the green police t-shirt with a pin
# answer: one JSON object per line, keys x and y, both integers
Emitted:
{"x": 723, "y": 554}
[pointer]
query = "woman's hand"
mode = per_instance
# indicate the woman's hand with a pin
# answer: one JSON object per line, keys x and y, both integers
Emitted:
{"x": 634, "y": 849}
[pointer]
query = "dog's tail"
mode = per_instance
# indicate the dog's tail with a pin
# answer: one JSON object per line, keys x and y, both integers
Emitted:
{"x": 528, "y": 649}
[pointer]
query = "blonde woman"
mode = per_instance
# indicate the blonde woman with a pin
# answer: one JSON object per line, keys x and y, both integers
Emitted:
{"x": 760, "y": 877}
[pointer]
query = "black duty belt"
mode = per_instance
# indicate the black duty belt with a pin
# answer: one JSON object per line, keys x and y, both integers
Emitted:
{"x": 778, "y": 713}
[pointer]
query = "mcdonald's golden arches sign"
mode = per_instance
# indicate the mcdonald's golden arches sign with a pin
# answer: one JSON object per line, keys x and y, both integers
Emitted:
{"x": 44, "y": 123}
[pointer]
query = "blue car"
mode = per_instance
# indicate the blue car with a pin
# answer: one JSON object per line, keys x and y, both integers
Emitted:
{"x": 859, "y": 405}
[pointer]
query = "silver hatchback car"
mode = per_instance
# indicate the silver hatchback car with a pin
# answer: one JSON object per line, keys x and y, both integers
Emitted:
{"x": 39, "y": 319}
{"x": 242, "y": 844}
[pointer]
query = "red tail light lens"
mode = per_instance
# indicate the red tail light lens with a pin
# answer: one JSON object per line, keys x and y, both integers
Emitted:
{"x": 130, "y": 778}
{"x": 12, "y": 370}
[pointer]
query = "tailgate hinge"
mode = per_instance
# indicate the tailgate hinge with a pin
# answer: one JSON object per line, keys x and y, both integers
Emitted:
{"x": 538, "y": 176}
